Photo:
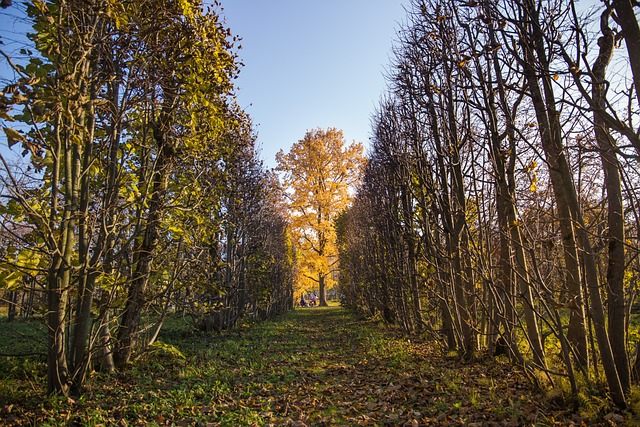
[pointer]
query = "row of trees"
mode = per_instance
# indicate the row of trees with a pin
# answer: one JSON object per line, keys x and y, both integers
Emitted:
{"x": 500, "y": 203}
{"x": 140, "y": 192}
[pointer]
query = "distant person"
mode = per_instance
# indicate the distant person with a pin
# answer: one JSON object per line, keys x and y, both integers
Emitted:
{"x": 303, "y": 303}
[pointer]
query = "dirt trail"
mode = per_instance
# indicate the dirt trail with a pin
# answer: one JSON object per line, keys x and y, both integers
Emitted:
{"x": 351, "y": 372}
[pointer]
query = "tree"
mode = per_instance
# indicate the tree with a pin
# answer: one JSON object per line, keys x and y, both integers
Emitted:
{"x": 483, "y": 187}
{"x": 318, "y": 174}
{"x": 109, "y": 117}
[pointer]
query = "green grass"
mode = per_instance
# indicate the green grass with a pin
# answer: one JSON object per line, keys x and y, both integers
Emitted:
{"x": 22, "y": 360}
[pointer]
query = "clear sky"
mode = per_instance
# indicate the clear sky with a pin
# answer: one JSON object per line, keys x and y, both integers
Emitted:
{"x": 310, "y": 64}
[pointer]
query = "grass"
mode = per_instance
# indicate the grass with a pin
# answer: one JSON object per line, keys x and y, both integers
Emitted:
{"x": 313, "y": 366}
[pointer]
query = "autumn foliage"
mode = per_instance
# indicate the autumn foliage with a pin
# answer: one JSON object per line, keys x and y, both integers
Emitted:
{"x": 319, "y": 176}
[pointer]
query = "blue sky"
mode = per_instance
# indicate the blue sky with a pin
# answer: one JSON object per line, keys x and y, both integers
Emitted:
{"x": 308, "y": 64}
{"x": 312, "y": 64}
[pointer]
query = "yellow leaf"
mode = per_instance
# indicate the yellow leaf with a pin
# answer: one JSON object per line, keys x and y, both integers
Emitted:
{"x": 13, "y": 136}
{"x": 531, "y": 166}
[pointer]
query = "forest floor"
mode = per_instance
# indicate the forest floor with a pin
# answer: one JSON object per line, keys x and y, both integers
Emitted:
{"x": 310, "y": 367}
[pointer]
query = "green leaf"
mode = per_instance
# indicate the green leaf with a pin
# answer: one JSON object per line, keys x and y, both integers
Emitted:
{"x": 10, "y": 280}
{"x": 30, "y": 260}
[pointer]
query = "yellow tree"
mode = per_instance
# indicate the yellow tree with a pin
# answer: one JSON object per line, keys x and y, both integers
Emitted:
{"x": 318, "y": 173}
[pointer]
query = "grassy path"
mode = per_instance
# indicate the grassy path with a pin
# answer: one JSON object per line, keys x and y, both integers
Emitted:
{"x": 315, "y": 366}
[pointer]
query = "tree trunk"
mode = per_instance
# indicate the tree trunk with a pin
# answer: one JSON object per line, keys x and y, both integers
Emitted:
{"x": 58, "y": 285}
{"x": 411, "y": 260}
{"x": 12, "y": 297}
{"x": 513, "y": 262}
{"x": 627, "y": 18}
{"x": 62, "y": 246}
{"x": 144, "y": 253}
{"x": 615, "y": 216}
{"x": 105, "y": 347}
{"x": 108, "y": 236}
{"x": 565, "y": 192}
{"x": 464, "y": 286}
{"x": 322, "y": 289}
{"x": 57, "y": 301}
{"x": 80, "y": 347}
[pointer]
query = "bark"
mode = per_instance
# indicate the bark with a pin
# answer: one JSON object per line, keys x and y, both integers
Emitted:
{"x": 411, "y": 260}
{"x": 459, "y": 315}
{"x": 627, "y": 18}
{"x": 108, "y": 235}
{"x": 12, "y": 298}
{"x": 80, "y": 348}
{"x": 322, "y": 244}
{"x": 105, "y": 353}
{"x": 144, "y": 253}
{"x": 615, "y": 216}
{"x": 464, "y": 286}
{"x": 59, "y": 271}
{"x": 322, "y": 289}
{"x": 513, "y": 262}
{"x": 564, "y": 189}
{"x": 57, "y": 301}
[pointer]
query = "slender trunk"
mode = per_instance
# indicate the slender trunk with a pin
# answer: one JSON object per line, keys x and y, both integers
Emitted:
{"x": 56, "y": 369}
{"x": 322, "y": 275}
{"x": 565, "y": 192}
{"x": 514, "y": 268}
{"x": 411, "y": 259}
{"x": 464, "y": 287}
{"x": 144, "y": 255}
{"x": 459, "y": 315}
{"x": 158, "y": 327}
{"x": 108, "y": 235}
{"x": 12, "y": 298}
{"x": 447, "y": 319}
{"x": 511, "y": 243}
{"x": 463, "y": 316}
{"x": 627, "y": 18}
{"x": 57, "y": 302}
{"x": 59, "y": 272}
{"x": 105, "y": 352}
{"x": 80, "y": 348}
{"x": 322, "y": 289}
{"x": 615, "y": 219}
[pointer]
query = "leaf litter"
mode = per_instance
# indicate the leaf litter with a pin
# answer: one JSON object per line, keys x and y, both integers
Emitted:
{"x": 310, "y": 367}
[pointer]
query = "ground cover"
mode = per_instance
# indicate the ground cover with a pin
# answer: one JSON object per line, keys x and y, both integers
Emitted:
{"x": 314, "y": 366}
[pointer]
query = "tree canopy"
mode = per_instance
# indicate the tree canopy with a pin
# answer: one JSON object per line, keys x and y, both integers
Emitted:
{"x": 140, "y": 192}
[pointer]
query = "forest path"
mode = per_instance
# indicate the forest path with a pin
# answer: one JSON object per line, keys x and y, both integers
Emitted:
{"x": 322, "y": 366}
